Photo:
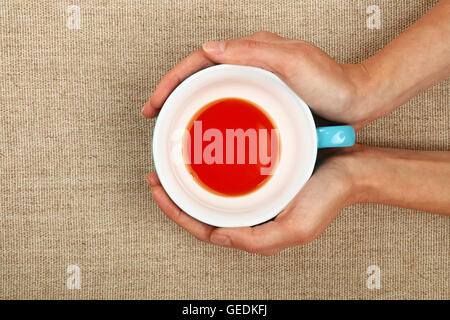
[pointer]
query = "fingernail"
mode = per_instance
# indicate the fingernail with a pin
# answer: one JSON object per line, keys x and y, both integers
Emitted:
{"x": 214, "y": 47}
{"x": 221, "y": 240}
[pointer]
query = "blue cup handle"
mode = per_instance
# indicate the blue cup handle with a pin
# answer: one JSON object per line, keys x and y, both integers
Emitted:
{"x": 335, "y": 136}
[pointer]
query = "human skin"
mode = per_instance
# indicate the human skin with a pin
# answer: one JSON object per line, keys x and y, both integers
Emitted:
{"x": 360, "y": 174}
{"x": 355, "y": 94}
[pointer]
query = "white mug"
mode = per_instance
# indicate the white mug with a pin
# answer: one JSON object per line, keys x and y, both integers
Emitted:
{"x": 298, "y": 135}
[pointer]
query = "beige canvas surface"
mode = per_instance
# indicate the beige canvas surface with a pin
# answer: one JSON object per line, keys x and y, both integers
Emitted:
{"x": 74, "y": 152}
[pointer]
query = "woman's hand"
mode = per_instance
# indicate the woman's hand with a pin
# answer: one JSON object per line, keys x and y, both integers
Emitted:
{"x": 331, "y": 89}
{"x": 353, "y": 94}
{"x": 349, "y": 93}
{"x": 331, "y": 188}
{"x": 405, "y": 178}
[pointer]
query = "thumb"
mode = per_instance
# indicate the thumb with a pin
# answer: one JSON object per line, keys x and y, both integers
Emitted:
{"x": 246, "y": 52}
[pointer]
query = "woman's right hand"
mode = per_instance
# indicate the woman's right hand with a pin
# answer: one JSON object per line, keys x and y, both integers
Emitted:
{"x": 333, "y": 91}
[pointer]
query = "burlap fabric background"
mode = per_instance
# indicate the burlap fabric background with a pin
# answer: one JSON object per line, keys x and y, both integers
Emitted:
{"x": 74, "y": 151}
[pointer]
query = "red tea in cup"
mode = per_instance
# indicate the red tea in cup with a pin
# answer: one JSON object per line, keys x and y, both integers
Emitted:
{"x": 231, "y": 147}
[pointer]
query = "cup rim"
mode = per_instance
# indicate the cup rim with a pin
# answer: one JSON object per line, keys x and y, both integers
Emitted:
{"x": 232, "y": 222}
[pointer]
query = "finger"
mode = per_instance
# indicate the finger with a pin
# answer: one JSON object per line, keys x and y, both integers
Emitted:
{"x": 198, "y": 229}
{"x": 191, "y": 64}
{"x": 271, "y": 38}
{"x": 359, "y": 125}
{"x": 268, "y": 238}
{"x": 302, "y": 221}
{"x": 152, "y": 179}
{"x": 247, "y": 52}
{"x": 270, "y": 252}
{"x": 148, "y": 111}
{"x": 196, "y": 61}
{"x": 264, "y": 36}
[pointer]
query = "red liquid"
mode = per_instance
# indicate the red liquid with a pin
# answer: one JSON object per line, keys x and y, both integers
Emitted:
{"x": 228, "y": 175}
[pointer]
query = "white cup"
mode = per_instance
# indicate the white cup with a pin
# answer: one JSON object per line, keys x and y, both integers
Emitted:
{"x": 296, "y": 129}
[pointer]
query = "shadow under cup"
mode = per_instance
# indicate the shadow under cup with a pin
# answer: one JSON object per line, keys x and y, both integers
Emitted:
{"x": 290, "y": 115}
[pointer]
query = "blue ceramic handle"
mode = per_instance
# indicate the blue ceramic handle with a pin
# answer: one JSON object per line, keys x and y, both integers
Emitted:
{"x": 335, "y": 136}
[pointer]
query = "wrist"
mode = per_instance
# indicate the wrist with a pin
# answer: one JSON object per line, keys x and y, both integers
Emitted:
{"x": 404, "y": 178}
{"x": 362, "y": 105}
{"x": 360, "y": 163}
{"x": 373, "y": 171}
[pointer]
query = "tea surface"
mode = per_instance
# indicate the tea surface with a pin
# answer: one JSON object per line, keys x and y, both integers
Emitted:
{"x": 229, "y": 146}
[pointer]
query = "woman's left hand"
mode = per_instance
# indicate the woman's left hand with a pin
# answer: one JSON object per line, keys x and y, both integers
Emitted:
{"x": 331, "y": 188}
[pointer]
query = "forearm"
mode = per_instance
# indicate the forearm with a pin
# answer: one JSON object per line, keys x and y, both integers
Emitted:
{"x": 414, "y": 61}
{"x": 411, "y": 179}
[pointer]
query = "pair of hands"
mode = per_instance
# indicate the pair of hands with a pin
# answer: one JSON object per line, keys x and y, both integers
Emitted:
{"x": 332, "y": 90}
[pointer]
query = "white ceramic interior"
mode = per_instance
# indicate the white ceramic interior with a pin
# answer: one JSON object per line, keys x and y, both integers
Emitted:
{"x": 291, "y": 116}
